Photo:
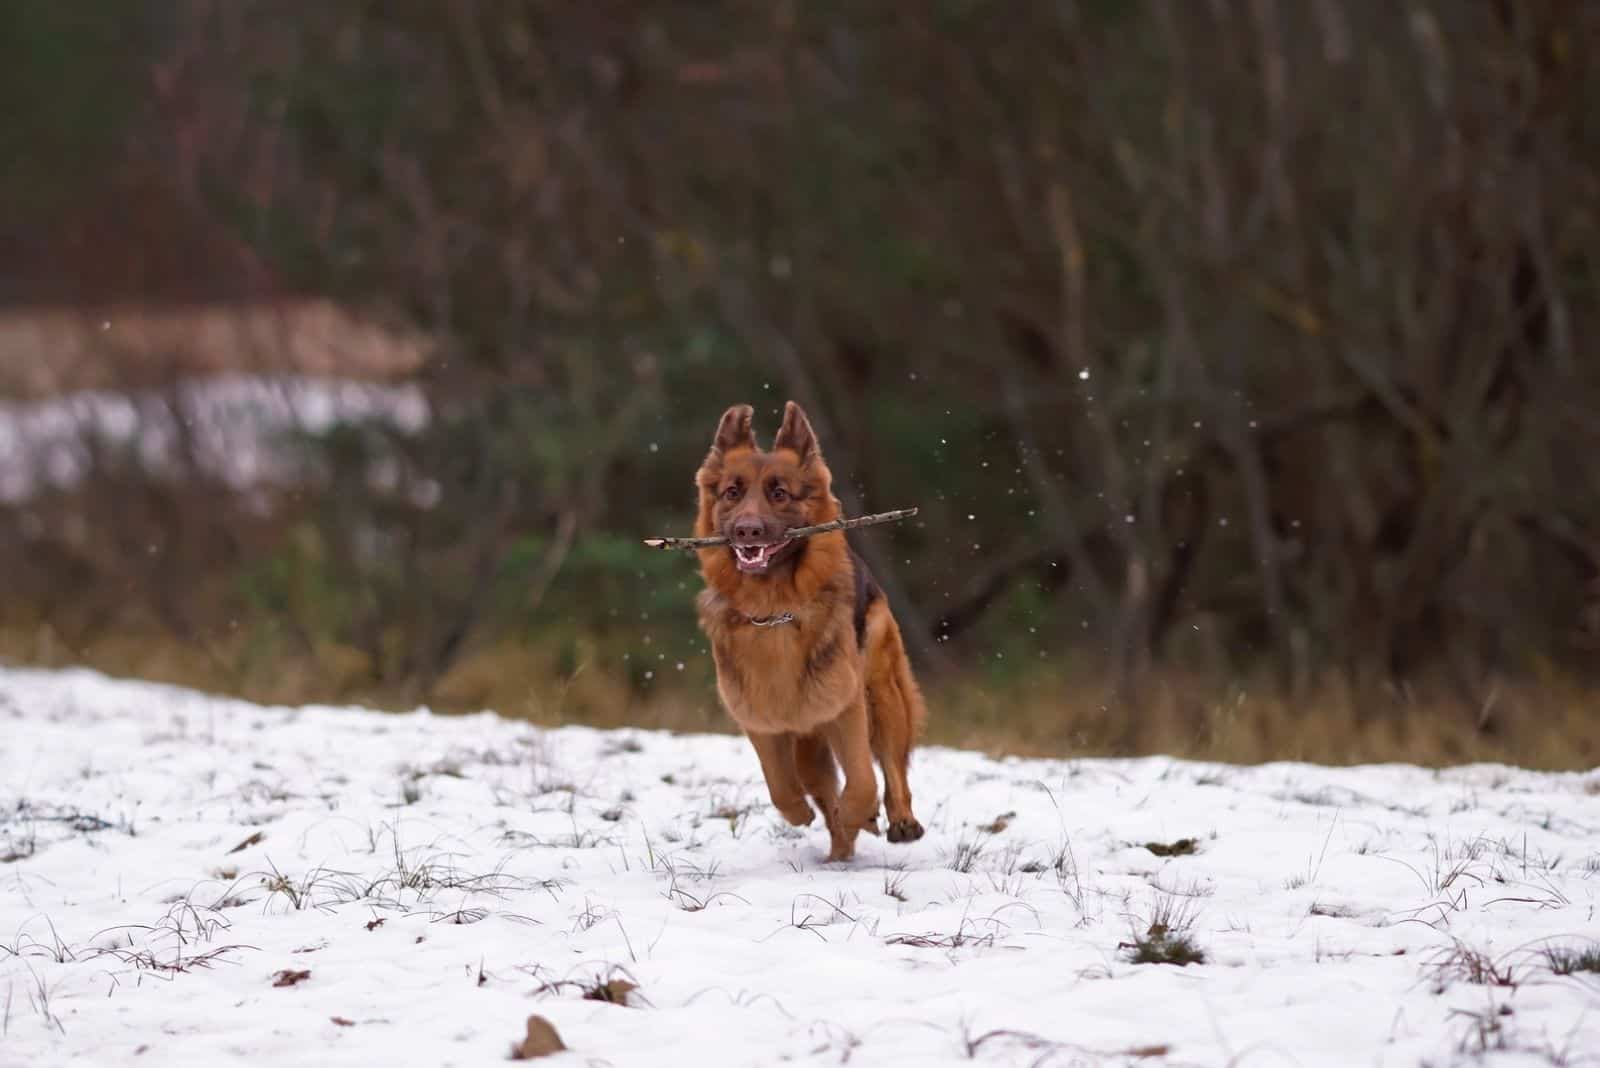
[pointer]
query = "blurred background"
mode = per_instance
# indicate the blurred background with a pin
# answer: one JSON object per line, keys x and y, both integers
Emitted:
{"x": 1238, "y": 353}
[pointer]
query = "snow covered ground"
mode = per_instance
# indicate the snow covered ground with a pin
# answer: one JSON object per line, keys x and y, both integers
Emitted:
{"x": 195, "y": 881}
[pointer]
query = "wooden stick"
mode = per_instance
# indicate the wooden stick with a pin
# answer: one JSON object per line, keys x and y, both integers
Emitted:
{"x": 797, "y": 532}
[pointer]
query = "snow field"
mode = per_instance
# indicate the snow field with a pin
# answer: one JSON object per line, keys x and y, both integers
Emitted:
{"x": 171, "y": 862}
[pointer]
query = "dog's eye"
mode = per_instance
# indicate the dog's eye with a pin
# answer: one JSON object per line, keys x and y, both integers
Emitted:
{"x": 731, "y": 493}
{"x": 779, "y": 494}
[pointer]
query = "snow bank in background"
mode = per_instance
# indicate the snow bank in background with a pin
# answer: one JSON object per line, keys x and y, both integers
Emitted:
{"x": 236, "y": 427}
{"x": 190, "y": 880}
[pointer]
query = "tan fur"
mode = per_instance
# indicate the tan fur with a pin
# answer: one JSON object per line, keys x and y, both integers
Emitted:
{"x": 810, "y": 699}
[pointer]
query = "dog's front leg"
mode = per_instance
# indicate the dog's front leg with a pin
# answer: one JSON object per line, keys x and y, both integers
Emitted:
{"x": 850, "y": 738}
{"x": 783, "y": 776}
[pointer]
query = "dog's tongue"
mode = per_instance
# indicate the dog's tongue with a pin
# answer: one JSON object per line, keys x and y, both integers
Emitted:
{"x": 753, "y": 557}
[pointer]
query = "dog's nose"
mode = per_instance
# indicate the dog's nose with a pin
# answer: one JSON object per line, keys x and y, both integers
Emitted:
{"x": 749, "y": 529}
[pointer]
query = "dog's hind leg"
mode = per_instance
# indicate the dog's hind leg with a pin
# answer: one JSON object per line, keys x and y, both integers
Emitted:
{"x": 897, "y": 712}
{"x": 892, "y": 746}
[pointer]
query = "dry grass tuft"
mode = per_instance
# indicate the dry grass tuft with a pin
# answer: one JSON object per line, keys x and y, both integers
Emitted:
{"x": 1570, "y": 960}
{"x": 1461, "y": 963}
{"x": 1168, "y": 937}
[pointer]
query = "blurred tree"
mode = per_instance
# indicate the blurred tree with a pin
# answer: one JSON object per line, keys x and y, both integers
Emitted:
{"x": 1207, "y": 336}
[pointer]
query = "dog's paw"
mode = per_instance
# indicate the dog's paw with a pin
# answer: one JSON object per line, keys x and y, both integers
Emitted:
{"x": 871, "y": 827}
{"x": 842, "y": 840}
{"x": 905, "y": 831}
{"x": 798, "y": 815}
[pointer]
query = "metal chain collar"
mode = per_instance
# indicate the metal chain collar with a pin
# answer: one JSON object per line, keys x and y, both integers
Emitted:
{"x": 772, "y": 621}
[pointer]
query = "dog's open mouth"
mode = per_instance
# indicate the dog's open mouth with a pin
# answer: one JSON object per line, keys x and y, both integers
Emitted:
{"x": 756, "y": 557}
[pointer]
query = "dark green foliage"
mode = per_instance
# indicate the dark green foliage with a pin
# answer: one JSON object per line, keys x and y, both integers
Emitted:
{"x": 1203, "y": 339}
{"x": 72, "y": 76}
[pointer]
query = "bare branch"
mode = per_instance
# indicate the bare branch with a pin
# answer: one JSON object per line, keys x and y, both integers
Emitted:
{"x": 796, "y": 532}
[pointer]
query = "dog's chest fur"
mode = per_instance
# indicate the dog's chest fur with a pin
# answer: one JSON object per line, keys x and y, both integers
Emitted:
{"x": 792, "y": 676}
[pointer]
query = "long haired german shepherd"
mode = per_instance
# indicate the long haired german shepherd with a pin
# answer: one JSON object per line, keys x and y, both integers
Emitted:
{"x": 809, "y": 658}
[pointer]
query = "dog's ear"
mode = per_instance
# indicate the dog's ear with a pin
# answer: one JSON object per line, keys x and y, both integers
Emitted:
{"x": 796, "y": 434}
{"x": 734, "y": 431}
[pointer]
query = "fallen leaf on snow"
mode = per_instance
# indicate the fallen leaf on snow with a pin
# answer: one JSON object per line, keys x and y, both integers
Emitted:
{"x": 1183, "y": 847}
{"x": 999, "y": 823}
{"x": 1143, "y": 1052}
{"x": 540, "y": 1041}
{"x": 613, "y": 991}
{"x": 290, "y": 976}
{"x": 254, "y": 839}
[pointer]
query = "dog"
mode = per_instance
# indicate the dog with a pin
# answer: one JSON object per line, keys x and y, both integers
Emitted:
{"x": 809, "y": 659}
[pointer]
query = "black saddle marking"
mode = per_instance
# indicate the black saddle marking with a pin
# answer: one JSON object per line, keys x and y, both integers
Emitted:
{"x": 867, "y": 591}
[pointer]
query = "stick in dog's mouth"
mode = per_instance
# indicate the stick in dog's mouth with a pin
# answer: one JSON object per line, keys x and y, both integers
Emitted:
{"x": 789, "y": 535}
{"x": 757, "y": 557}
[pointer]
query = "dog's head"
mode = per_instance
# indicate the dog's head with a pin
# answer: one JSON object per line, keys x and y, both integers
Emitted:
{"x": 752, "y": 497}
